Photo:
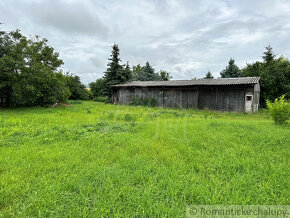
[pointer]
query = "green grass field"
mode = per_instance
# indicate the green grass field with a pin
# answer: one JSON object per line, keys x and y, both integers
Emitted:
{"x": 93, "y": 159}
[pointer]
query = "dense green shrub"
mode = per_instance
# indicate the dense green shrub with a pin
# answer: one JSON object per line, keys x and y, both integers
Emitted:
{"x": 98, "y": 88}
{"x": 279, "y": 109}
{"x": 77, "y": 88}
{"x": 29, "y": 71}
{"x": 150, "y": 101}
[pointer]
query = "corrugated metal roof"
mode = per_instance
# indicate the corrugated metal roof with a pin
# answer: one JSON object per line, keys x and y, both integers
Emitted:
{"x": 194, "y": 82}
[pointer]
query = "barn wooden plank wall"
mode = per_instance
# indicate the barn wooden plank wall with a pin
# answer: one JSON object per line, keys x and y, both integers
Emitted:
{"x": 225, "y": 94}
{"x": 223, "y": 98}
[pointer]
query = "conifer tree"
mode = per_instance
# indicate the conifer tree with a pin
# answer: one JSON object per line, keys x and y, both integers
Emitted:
{"x": 148, "y": 73}
{"x": 208, "y": 75}
{"x": 115, "y": 72}
{"x": 268, "y": 54}
{"x": 232, "y": 70}
{"x": 136, "y": 71}
{"x": 127, "y": 72}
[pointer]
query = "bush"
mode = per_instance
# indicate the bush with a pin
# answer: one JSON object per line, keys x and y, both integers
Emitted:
{"x": 279, "y": 109}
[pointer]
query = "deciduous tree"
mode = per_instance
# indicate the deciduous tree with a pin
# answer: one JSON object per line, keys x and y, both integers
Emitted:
{"x": 29, "y": 71}
{"x": 275, "y": 76}
{"x": 77, "y": 88}
{"x": 98, "y": 88}
{"x": 164, "y": 75}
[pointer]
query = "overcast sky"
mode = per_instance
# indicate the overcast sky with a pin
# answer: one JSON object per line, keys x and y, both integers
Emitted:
{"x": 184, "y": 37}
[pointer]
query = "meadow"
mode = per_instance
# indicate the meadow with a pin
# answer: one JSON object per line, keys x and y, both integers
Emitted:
{"x": 95, "y": 159}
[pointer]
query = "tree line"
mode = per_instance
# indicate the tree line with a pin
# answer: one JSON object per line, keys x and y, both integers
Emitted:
{"x": 120, "y": 73}
{"x": 30, "y": 73}
{"x": 274, "y": 73}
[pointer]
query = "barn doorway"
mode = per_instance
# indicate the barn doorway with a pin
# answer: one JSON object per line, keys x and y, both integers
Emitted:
{"x": 249, "y": 103}
{"x": 3, "y": 101}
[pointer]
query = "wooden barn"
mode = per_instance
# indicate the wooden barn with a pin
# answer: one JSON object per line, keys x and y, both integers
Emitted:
{"x": 222, "y": 94}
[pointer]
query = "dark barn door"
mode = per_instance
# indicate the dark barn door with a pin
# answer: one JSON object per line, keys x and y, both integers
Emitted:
{"x": 3, "y": 102}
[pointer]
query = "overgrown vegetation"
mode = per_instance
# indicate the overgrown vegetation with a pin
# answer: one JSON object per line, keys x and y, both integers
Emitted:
{"x": 279, "y": 109}
{"x": 93, "y": 159}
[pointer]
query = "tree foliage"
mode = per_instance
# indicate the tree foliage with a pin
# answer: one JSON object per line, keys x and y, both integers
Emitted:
{"x": 275, "y": 76}
{"x": 136, "y": 71}
{"x": 98, "y": 88}
{"x": 29, "y": 73}
{"x": 77, "y": 88}
{"x": 128, "y": 71}
{"x": 232, "y": 70}
{"x": 147, "y": 73}
{"x": 115, "y": 72}
{"x": 208, "y": 75}
{"x": 268, "y": 54}
{"x": 164, "y": 75}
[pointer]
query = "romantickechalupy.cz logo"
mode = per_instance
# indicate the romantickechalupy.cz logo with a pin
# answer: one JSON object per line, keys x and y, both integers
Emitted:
{"x": 238, "y": 211}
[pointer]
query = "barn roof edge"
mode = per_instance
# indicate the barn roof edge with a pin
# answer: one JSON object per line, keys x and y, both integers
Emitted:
{"x": 194, "y": 82}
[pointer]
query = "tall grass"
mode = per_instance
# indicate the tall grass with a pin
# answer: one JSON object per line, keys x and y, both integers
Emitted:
{"x": 134, "y": 161}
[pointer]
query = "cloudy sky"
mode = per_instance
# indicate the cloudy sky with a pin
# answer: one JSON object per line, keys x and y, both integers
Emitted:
{"x": 185, "y": 37}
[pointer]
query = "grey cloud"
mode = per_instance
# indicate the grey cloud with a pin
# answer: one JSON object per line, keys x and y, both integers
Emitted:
{"x": 185, "y": 37}
{"x": 97, "y": 62}
{"x": 67, "y": 17}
